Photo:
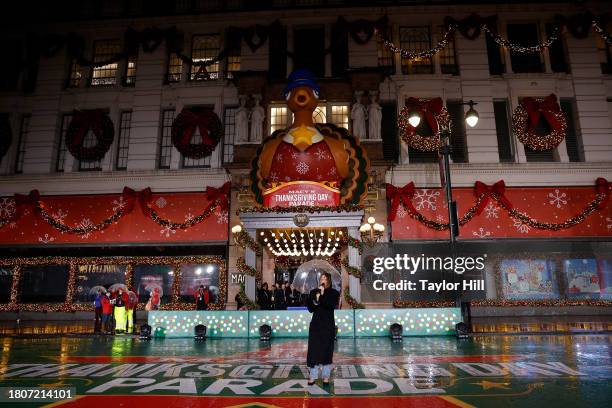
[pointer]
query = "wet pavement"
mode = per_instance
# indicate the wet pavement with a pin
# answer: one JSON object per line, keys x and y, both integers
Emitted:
{"x": 485, "y": 371}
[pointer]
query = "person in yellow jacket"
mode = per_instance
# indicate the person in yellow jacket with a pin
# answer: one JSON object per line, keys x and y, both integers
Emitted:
{"x": 130, "y": 308}
{"x": 121, "y": 301}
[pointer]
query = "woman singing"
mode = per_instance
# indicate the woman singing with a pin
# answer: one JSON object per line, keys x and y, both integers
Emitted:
{"x": 321, "y": 303}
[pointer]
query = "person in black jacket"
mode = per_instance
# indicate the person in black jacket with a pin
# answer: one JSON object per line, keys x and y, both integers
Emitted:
{"x": 263, "y": 297}
{"x": 279, "y": 297}
{"x": 321, "y": 303}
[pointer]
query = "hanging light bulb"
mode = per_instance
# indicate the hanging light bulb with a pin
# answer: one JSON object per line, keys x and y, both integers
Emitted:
{"x": 414, "y": 118}
{"x": 471, "y": 116}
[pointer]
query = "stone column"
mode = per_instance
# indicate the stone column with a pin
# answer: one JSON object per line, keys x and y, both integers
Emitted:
{"x": 250, "y": 258}
{"x": 354, "y": 259}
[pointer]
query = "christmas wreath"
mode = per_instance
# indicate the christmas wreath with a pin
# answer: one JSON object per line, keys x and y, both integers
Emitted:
{"x": 526, "y": 117}
{"x": 6, "y": 136}
{"x": 102, "y": 127}
{"x": 436, "y": 116}
{"x": 184, "y": 126}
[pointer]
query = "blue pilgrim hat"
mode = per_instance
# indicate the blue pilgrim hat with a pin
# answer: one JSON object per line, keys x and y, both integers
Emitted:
{"x": 302, "y": 77}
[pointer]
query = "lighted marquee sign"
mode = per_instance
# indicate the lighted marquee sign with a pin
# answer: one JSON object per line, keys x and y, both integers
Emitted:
{"x": 301, "y": 193}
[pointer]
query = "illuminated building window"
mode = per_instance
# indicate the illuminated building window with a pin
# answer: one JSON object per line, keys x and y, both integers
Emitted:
{"x": 129, "y": 79}
{"x": 106, "y": 74}
{"x": 320, "y": 114}
{"x": 279, "y": 117}
{"x": 175, "y": 68}
{"x": 416, "y": 39}
{"x": 205, "y": 48}
{"x": 74, "y": 76}
{"x": 339, "y": 115}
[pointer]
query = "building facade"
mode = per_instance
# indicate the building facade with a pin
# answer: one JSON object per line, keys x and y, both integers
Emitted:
{"x": 234, "y": 59}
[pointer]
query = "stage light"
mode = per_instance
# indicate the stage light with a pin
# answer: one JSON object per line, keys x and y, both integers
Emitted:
{"x": 396, "y": 331}
{"x": 199, "y": 332}
{"x": 265, "y": 332}
{"x": 145, "y": 332}
{"x": 210, "y": 269}
{"x": 462, "y": 331}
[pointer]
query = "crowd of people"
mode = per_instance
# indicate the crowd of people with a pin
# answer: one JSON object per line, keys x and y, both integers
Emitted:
{"x": 114, "y": 312}
{"x": 281, "y": 296}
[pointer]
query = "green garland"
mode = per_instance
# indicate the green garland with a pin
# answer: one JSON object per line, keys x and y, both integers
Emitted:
{"x": 246, "y": 269}
{"x": 355, "y": 243}
{"x": 250, "y": 305}
{"x": 352, "y": 301}
{"x": 351, "y": 270}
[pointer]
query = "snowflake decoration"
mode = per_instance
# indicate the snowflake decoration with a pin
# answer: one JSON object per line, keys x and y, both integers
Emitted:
{"x": 294, "y": 155}
{"x": 222, "y": 217}
{"x": 60, "y": 215}
{"x": 302, "y": 168}
{"x": 609, "y": 222}
{"x": 333, "y": 172}
{"x": 491, "y": 211}
{"x": 401, "y": 211}
{"x": 161, "y": 202}
{"x": 426, "y": 199}
{"x": 46, "y": 239}
{"x": 188, "y": 216}
{"x": 274, "y": 176}
{"x": 7, "y": 207}
{"x": 322, "y": 155}
{"x": 167, "y": 231}
{"x": 85, "y": 224}
{"x": 439, "y": 218}
{"x": 119, "y": 204}
{"x": 521, "y": 226}
{"x": 557, "y": 199}
{"x": 481, "y": 233}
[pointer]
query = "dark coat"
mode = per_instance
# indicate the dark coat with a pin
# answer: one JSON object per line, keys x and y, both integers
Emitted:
{"x": 279, "y": 299}
{"x": 322, "y": 327}
{"x": 263, "y": 299}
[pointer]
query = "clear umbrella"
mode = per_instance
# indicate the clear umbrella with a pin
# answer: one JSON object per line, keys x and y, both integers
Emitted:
{"x": 308, "y": 274}
{"x": 116, "y": 286}
{"x": 99, "y": 288}
{"x": 152, "y": 286}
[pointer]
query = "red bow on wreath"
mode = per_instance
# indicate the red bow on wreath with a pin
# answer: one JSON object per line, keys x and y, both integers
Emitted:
{"x": 91, "y": 119}
{"x": 222, "y": 194}
{"x": 202, "y": 121}
{"x": 22, "y": 201}
{"x": 603, "y": 186}
{"x": 402, "y": 195}
{"x": 427, "y": 108}
{"x": 143, "y": 197}
{"x": 497, "y": 191}
{"x": 547, "y": 107}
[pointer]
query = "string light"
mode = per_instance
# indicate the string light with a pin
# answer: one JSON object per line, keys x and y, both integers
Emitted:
{"x": 502, "y": 42}
{"x": 417, "y": 55}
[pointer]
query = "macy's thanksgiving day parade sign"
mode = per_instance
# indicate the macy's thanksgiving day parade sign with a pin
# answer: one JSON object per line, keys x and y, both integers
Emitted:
{"x": 309, "y": 164}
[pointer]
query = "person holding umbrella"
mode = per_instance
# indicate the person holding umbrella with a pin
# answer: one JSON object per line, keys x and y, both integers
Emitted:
{"x": 120, "y": 313}
{"x": 98, "y": 309}
{"x": 321, "y": 303}
{"x": 130, "y": 307}
{"x": 202, "y": 297}
{"x": 107, "y": 310}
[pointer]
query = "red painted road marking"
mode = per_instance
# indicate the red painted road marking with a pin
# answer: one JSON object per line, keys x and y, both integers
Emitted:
{"x": 175, "y": 401}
